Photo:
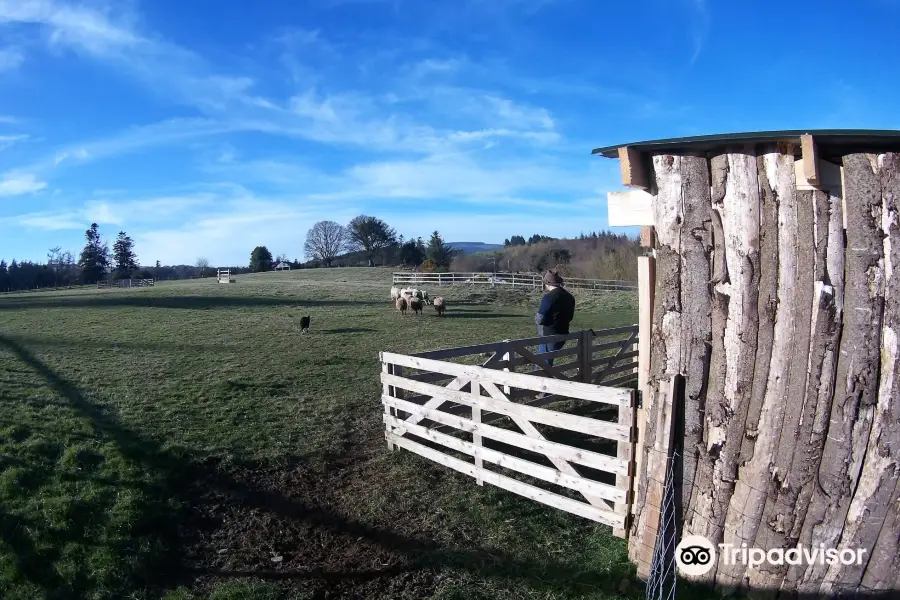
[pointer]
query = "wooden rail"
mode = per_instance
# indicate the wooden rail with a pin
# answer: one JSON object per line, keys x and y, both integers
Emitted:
{"x": 526, "y": 280}
{"x": 454, "y": 399}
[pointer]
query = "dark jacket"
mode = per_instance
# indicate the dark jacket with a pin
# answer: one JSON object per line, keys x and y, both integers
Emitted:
{"x": 555, "y": 312}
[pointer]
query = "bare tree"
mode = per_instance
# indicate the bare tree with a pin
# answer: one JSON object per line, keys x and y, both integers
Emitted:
{"x": 54, "y": 258}
{"x": 370, "y": 235}
{"x": 325, "y": 240}
{"x": 202, "y": 264}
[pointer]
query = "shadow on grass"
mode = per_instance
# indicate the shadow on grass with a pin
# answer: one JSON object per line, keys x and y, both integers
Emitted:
{"x": 473, "y": 314}
{"x": 348, "y": 330}
{"x": 36, "y": 341}
{"x": 112, "y": 300}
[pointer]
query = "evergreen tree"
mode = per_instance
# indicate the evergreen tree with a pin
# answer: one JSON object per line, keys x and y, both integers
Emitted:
{"x": 94, "y": 259}
{"x": 439, "y": 252}
{"x": 4, "y": 277}
{"x": 411, "y": 254}
{"x": 124, "y": 256}
{"x": 260, "y": 259}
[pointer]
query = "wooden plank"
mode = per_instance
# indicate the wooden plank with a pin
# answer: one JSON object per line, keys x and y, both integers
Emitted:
{"x": 552, "y": 450}
{"x": 476, "y": 438}
{"x": 511, "y": 409}
{"x": 810, "y": 158}
{"x": 581, "y": 509}
{"x": 525, "y": 467}
{"x": 612, "y": 370}
{"x": 615, "y": 358}
{"x": 435, "y": 402}
{"x": 630, "y": 329}
{"x": 571, "y": 389}
{"x": 542, "y": 362}
{"x": 829, "y": 177}
{"x": 493, "y": 346}
{"x": 658, "y": 460}
{"x": 648, "y": 236}
{"x": 625, "y": 451}
{"x": 610, "y": 345}
{"x": 532, "y": 432}
{"x": 619, "y": 380}
{"x": 629, "y": 209}
{"x": 387, "y": 391}
{"x": 631, "y": 165}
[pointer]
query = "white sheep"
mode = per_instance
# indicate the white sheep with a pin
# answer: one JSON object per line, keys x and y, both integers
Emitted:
{"x": 395, "y": 293}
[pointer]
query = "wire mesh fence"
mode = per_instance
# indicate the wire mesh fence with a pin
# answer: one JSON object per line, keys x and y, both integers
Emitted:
{"x": 662, "y": 579}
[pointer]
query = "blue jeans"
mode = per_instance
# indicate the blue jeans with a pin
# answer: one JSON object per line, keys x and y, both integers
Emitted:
{"x": 550, "y": 348}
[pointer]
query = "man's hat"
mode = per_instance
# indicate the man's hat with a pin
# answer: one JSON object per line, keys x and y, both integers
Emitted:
{"x": 551, "y": 278}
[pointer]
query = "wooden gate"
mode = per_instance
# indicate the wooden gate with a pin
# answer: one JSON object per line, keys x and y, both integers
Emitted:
{"x": 521, "y": 431}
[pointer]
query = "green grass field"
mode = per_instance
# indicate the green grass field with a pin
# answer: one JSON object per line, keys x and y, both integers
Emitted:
{"x": 185, "y": 441}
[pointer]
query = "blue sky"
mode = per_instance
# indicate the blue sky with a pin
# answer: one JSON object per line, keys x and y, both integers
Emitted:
{"x": 204, "y": 128}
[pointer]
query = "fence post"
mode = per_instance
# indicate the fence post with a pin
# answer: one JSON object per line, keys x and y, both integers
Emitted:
{"x": 587, "y": 339}
{"x": 387, "y": 390}
{"x": 476, "y": 437}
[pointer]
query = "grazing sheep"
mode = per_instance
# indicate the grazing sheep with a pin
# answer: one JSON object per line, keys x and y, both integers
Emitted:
{"x": 439, "y": 305}
{"x": 395, "y": 293}
{"x": 416, "y": 305}
{"x": 415, "y": 293}
{"x": 402, "y": 305}
{"x": 304, "y": 325}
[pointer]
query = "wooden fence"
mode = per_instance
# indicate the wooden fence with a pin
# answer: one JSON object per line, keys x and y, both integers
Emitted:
{"x": 525, "y": 280}
{"x": 125, "y": 283}
{"x": 459, "y": 410}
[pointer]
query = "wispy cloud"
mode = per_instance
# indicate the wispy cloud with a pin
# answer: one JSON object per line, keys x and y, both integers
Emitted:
{"x": 7, "y": 141}
{"x": 700, "y": 22}
{"x": 18, "y": 184}
{"x": 11, "y": 58}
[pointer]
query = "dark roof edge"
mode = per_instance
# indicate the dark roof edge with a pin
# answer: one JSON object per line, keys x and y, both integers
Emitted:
{"x": 879, "y": 138}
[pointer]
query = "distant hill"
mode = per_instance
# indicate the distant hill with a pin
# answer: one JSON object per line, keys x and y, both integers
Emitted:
{"x": 474, "y": 247}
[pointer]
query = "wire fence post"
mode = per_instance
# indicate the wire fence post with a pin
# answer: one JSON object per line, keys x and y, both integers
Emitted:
{"x": 662, "y": 580}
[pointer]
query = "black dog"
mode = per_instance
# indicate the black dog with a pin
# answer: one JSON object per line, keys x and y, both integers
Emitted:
{"x": 304, "y": 324}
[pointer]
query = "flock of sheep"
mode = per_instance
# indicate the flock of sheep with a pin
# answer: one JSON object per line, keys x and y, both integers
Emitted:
{"x": 413, "y": 299}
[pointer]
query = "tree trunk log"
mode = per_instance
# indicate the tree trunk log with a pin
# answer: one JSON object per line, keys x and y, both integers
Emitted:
{"x": 665, "y": 347}
{"x": 877, "y": 484}
{"x": 779, "y": 514}
{"x": 755, "y": 476}
{"x": 819, "y": 389}
{"x": 696, "y": 243}
{"x": 856, "y": 392}
{"x": 734, "y": 323}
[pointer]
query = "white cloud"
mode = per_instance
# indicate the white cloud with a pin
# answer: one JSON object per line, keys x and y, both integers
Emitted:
{"x": 10, "y": 59}
{"x": 17, "y": 184}
{"x": 7, "y": 141}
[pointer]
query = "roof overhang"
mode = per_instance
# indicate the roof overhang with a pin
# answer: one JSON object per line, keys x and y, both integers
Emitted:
{"x": 831, "y": 143}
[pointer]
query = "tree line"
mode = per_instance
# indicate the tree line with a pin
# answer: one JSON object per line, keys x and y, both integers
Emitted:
{"x": 595, "y": 255}
{"x": 366, "y": 240}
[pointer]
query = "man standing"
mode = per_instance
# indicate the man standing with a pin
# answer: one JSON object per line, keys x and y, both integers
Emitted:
{"x": 555, "y": 312}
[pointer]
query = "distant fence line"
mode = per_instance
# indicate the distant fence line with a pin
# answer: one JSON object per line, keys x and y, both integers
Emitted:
{"x": 125, "y": 283}
{"x": 526, "y": 280}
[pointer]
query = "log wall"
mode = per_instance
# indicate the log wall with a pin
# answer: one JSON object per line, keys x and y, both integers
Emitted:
{"x": 781, "y": 308}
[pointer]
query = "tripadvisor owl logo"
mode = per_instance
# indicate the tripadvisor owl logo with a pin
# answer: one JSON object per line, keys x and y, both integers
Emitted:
{"x": 695, "y": 555}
